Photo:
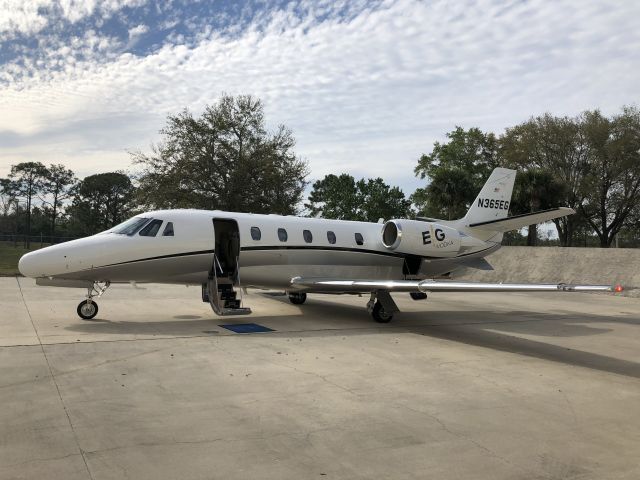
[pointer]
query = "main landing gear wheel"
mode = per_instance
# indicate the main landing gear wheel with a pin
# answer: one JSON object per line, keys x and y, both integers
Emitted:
{"x": 379, "y": 315}
{"x": 87, "y": 309}
{"x": 297, "y": 298}
{"x": 418, "y": 295}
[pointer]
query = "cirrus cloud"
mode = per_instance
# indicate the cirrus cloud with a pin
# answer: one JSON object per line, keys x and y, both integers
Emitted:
{"x": 366, "y": 87}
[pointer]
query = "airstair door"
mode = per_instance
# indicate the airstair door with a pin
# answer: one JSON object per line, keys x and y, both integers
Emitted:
{"x": 219, "y": 291}
{"x": 227, "y": 248}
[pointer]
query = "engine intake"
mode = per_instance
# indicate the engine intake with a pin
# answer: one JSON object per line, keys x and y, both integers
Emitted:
{"x": 421, "y": 238}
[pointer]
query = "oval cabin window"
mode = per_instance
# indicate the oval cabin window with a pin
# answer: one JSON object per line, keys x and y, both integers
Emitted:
{"x": 359, "y": 239}
{"x": 308, "y": 237}
{"x": 256, "y": 234}
{"x": 282, "y": 235}
{"x": 331, "y": 237}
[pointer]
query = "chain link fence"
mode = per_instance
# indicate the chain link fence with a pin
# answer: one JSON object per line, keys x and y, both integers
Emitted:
{"x": 32, "y": 241}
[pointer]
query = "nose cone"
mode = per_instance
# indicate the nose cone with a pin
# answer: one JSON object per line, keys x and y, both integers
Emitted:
{"x": 44, "y": 262}
{"x": 28, "y": 264}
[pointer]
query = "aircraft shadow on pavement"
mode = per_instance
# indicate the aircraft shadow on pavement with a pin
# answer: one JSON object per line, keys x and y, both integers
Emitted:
{"x": 496, "y": 330}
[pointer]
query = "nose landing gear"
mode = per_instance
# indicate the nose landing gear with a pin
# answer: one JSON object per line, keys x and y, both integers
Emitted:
{"x": 88, "y": 309}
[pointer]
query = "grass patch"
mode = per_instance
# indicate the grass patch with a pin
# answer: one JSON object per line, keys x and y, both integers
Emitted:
{"x": 9, "y": 256}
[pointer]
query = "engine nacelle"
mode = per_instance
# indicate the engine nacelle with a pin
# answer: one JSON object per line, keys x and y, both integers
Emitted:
{"x": 425, "y": 239}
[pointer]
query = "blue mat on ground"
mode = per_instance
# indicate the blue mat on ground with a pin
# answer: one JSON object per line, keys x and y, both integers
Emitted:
{"x": 246, "y": 328}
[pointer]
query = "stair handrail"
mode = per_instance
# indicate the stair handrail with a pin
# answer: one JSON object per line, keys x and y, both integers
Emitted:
{"x": 238, "y": 277}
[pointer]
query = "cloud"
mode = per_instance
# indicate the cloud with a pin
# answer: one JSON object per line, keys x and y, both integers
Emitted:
{"x": 20, "y": 17}
{"x": 366, "y": 87}
{"x": 138, "y": 30}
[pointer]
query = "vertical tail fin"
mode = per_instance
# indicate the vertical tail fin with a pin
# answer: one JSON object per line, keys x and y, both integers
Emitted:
{"x": 492, "y": 203}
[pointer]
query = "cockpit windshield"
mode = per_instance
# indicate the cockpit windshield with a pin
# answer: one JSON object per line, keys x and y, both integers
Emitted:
{"x": 130, "y": 227}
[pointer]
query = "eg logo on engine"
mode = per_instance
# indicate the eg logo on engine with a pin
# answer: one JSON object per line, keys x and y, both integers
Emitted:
{"x": 440, "y": 237}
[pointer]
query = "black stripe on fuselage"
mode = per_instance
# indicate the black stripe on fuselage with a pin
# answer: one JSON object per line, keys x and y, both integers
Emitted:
{"x": 327, "y": 249}
{"x": 160, "y": 257}
{"x": 283, "y": 247}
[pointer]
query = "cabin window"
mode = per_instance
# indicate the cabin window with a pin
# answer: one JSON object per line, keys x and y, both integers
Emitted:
{"x": 168, "y": 230}
{"x": 282, "y": 235}
{"x": 331, "y": 237}
{"x": 151, "y": 228}
{"x": 256, "y": 234}
{"x": 359, "y": 239}
{"x": 130, "y": 227}
{"x": 308, "y": 237}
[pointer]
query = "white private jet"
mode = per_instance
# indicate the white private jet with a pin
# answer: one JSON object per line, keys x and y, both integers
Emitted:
{"x": 224, "y": 252}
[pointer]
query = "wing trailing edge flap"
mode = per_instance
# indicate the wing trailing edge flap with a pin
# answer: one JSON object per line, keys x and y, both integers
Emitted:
{"x": 332, "y": 285}
{"x": 517, "y": 222}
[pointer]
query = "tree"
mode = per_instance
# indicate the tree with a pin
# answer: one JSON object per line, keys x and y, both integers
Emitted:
{"x": 380, "y": 200}
{"x": 101, "y": 201}
{"x": 448, "y": 196}
{"x": 57, "y": 187}
{"x": 225, "y": 159}
{"x": 535, "y": 190}
{"x": 457, "y": 170}
{"x": 342, "y": 198}
{"x": 334, "y": 197}
{"x": 7, "y": 196}
{"x": 27, "y": 179}
{"x": 613, "y": 181}
{"x": 555, "y": 145}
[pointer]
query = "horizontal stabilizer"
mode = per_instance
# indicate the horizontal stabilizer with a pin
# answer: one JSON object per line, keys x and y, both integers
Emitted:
{"x": 517, "y": 222}
{"x": 478, "y": 264}
{"x": 329, "y": 285}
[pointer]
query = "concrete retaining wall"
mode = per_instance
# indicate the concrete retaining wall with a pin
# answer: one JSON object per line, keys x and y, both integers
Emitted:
{"x": 557, "y": 264}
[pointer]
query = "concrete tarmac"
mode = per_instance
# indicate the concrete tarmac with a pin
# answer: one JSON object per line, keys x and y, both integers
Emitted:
{"x": 460, "y": 386}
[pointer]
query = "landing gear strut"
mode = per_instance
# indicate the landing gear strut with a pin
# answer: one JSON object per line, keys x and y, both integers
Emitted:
{"x": 297, "y": 298}
{"x": 88, "y": 309}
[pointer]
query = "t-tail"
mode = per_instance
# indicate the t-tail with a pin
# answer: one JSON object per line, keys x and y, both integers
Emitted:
{"x": 492, "y": 203}
{"x": 488, "y": 215}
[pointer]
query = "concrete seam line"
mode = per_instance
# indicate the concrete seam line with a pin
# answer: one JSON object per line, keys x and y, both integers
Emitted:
{"x": 53, "y": 378}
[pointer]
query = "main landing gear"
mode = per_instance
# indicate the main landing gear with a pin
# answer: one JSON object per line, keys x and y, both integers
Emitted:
{"x": 297, "y": 298}
{"x": 88, "y": 309}
{"x": 381, "y": 306}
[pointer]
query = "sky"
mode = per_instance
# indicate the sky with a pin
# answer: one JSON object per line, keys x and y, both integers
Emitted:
{"x": 366, "y": 86}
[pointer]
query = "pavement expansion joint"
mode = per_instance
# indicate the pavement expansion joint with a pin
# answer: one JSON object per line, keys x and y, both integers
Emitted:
{"x": 55, "y": 382}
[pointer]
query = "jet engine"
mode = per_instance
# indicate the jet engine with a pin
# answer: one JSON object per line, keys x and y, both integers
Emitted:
{"x": 425, "y": 239}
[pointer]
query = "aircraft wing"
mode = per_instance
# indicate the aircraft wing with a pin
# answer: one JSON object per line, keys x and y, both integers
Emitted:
{"x": 517, "y": 222}
{"x": 329, "y": 285}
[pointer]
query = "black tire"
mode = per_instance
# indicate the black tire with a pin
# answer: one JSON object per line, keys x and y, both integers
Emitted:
{"x": 418, "y": 295}
{"x": 379, "y": 315}
{"x": 297, "y": 298}
{"x": 87, "y": 310}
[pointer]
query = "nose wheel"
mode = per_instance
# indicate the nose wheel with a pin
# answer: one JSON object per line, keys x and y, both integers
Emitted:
{"x": 87, "y": 309}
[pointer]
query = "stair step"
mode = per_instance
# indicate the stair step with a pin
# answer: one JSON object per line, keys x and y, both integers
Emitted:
{"x": 232, "y": 304}
{"x": 236, "y": 311}
{"x": 227, "y": 295}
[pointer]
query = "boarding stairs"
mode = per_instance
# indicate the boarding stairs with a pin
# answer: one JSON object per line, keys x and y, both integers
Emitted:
{"x": 220, "y": 291}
